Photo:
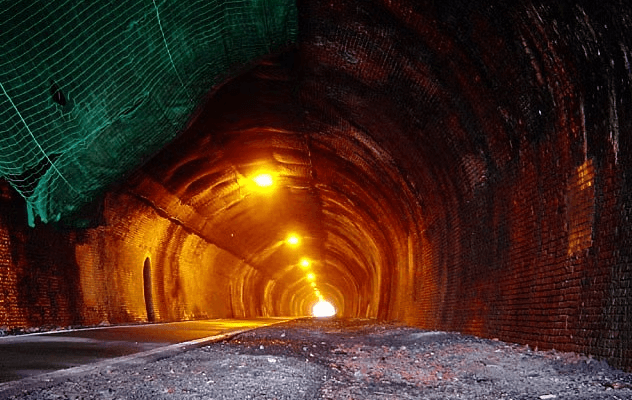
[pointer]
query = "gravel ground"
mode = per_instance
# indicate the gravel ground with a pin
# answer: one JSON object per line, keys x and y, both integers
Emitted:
{"x": 357, "y": 359}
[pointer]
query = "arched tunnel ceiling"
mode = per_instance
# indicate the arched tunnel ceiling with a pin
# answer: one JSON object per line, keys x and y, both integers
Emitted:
{"x": 382, "y": 118}
{"x": 381, "y": 112}
{"x": 256, "y": 123}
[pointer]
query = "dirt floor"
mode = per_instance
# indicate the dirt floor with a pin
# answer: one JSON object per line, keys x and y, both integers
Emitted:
{"x": 336, "y": 359}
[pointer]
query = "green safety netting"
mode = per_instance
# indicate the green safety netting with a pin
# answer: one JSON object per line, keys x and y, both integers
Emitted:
{"x": 90, "y": 89}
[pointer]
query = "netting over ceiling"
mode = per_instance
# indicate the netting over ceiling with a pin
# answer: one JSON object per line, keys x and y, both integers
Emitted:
{"x": 89, "y": 90}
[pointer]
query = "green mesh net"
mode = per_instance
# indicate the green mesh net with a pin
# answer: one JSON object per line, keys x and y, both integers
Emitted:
{"x": 90, "y": 90}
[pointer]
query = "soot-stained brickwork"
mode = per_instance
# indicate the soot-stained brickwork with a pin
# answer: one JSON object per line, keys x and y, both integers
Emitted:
{"x": 512, "y": 125}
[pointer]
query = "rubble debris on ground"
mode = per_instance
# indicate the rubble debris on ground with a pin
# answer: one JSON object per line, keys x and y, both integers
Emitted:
{"x": 352, "y": 359}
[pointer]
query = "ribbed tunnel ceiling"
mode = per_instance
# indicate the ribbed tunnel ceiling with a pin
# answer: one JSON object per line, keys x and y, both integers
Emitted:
{"x": 384, "y": 118}
{"x": 332, "y": 188}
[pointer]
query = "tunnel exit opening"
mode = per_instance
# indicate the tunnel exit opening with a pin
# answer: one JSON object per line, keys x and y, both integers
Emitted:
{"x": 149, "y": 300}
{"x": 323, "y": 309}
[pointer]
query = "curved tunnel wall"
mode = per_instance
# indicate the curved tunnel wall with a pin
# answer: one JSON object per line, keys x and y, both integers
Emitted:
{"x": 459, "y": 167}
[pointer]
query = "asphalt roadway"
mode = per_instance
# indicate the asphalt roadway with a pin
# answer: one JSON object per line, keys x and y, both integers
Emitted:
{"x": 42, "y": 354}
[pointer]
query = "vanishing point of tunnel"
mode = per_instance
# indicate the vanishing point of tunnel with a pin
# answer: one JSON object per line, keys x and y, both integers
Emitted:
{"x": 458, "y": 166}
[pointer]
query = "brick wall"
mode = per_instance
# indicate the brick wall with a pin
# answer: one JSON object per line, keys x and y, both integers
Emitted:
{"x": 540, "y": 257}
{"x": 525, "y": 228}
{"x": 38, "y": 275}
{"x": 51, "y": 277}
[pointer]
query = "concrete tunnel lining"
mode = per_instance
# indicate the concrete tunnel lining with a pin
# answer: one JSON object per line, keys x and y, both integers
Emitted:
{"x": 438, "y": 155}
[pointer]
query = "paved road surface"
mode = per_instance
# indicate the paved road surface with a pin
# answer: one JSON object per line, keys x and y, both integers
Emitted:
{"x": 28, "y": 355}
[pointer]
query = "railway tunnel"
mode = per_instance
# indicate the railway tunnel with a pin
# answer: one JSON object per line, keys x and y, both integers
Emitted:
{"x": 461, "y": 167}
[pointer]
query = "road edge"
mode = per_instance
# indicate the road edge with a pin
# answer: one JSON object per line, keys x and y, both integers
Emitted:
{"x": 24, "y": 385}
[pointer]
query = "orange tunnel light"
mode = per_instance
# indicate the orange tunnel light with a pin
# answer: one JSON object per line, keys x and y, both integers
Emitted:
{"x": 263, "y": 180}
{"x": 293, "y": 240}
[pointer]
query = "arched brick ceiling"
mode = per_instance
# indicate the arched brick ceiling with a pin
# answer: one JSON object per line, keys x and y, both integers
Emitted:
{"x": 383, "y": 120}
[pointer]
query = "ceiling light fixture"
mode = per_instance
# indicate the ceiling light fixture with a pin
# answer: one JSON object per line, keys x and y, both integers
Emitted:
{"x": 293, "y": 240}
{"x": 263, "y": 180}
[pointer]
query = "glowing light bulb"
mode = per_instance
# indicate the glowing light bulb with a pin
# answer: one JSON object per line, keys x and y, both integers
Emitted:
{"x": 323, "y": 309}
{"x": 305, "y": 262}
{"x": 311, "y": 276}
{"x": 263, "y": 180}
{"x": 293, "y": 240}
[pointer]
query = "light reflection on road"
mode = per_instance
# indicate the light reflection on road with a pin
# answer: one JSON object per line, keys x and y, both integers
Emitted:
{"x": 27, "y": 355}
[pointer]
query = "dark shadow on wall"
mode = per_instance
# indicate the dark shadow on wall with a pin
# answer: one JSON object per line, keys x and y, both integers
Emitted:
{"x": 147, "y": 289}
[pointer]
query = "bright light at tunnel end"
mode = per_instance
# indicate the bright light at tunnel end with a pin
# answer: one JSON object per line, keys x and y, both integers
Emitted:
{"x": 323, "y": 309}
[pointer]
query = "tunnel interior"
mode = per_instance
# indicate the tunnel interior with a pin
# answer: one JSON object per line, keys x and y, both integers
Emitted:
{"x": 462, "y": 167}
